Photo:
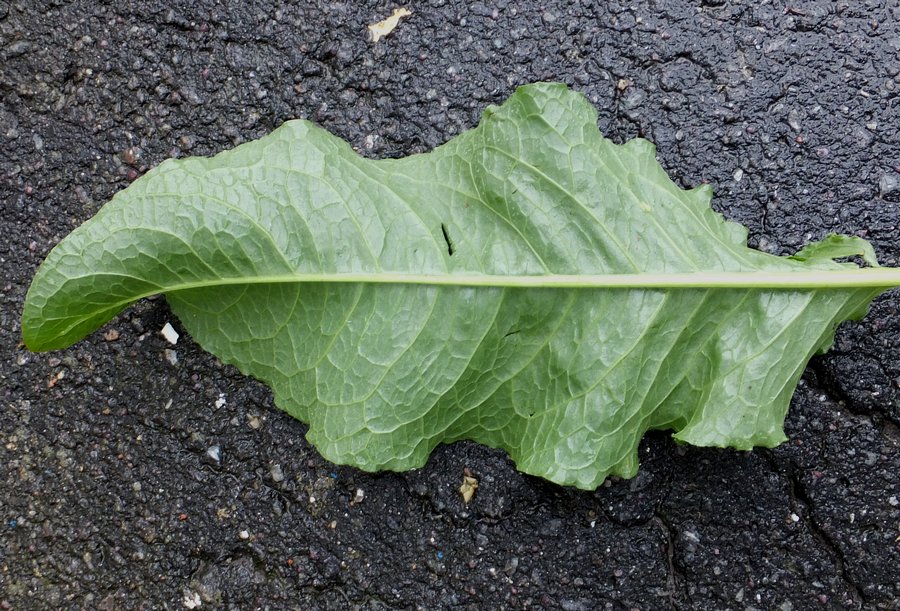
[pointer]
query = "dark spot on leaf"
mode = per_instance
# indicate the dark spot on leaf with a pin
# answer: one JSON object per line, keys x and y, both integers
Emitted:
{"x": 450, "y": 247}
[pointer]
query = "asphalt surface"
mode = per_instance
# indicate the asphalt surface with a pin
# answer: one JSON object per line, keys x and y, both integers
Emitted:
{"x": 129, "y": 482}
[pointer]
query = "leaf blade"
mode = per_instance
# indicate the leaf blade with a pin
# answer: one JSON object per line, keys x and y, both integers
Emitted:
{"x": 585, "y": 300}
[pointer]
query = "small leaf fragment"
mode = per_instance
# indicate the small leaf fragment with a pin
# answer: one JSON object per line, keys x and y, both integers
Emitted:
{"x": 468, "y": 488}
{"x": 384, "y": 27}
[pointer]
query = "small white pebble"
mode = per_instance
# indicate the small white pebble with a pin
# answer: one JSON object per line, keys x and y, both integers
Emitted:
{"x": 893, "y": 501}
{"x": 191, "y": 600}
{"x": 170, "y": 334}
{"x": 795, "y": 517}
{"x": 215, "y": 453}
{"x": 276, "y": 473}
{"x": 171, "y": 356}
{"x": 738, "y": 175}
{"x": 220, "y": 401}
{"x": 244, "y": 534}
{"x": 358, "y": 497}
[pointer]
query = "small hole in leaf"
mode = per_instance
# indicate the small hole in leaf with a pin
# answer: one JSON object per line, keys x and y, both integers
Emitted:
{"x": 450, "y": 247}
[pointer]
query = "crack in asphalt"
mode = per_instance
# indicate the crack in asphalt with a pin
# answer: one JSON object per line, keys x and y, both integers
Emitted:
{"x": 800, "y": 496}
{"x": 674, "y": 575}
{"x": 805, "y": 510}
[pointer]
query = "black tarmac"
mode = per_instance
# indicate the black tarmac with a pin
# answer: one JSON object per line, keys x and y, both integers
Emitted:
{"x": 129, "y": 482}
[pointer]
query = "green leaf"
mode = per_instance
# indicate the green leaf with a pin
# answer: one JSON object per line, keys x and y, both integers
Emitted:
{"x": 835, "y": 246}
{"x": 529, "y": 285}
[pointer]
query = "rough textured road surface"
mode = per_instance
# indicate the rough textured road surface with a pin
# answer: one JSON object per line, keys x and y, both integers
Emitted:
{"x": 128, "y": 482}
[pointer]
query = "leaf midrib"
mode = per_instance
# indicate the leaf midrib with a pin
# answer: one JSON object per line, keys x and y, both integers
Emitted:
{"x": 881, "y": 277}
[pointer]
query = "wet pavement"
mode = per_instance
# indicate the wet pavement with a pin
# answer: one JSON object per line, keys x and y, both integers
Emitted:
{"x": 130, "y": 481}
